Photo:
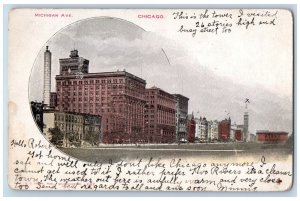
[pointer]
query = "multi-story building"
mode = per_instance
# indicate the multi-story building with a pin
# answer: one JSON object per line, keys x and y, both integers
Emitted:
{"x": 191, "y": 128}
{"x": 271, "y": 136}
{"x": 37, "y": 109}
{"x": 203, "y": 127}
{"x": 53, "y": 99}
{"x": 160, "y": 122}
{"x": 76, "y": 128}
{"x": 224, "y": 129}
{"x": 118, "y": 97}
{"x": 213, "y": 130}
{"x": 181, "y": 116}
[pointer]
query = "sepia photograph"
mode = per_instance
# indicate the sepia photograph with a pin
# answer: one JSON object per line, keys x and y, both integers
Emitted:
{"x": 154, "y": 100}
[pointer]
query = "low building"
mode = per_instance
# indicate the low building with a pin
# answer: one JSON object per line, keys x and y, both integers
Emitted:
{"x": 238, "y": 135}
{"x": 236, "y": 132}
{"x": 72, "y": 129}
{"x": 252, "y": 138}
{"x": 271, "y": 136}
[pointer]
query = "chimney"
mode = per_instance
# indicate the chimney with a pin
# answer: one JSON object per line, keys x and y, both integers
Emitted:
{"x": 47, "y": 77}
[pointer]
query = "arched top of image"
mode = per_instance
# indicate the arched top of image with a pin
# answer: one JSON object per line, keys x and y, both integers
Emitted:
{"x": 108, "y": 49}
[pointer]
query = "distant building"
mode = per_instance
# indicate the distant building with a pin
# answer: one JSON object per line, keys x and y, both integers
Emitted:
{"x": 213, "y": 130}
{"x": 246, "y": 127}
{"x": 252, "y": 138}
{"x": 181, "y": 116}
{"x": 160, "y": 122}
{"x": 271, "y": 136}
{"x": 203, "y": 127}
{"x": 241, "y": 127}
{"x": 236, "y": 132}
{"x": 77, "y": 129}
{"x": 238, "y": 135}
{"x": 191, "y": 128}
{"x": 224, "y": 129}
{"x": 37, "y": 112}
{"x": 197, "y": 128}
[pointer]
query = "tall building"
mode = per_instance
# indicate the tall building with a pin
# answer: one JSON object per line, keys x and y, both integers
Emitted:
{"x": 213, "y": 130}
{"x": 197, "y": 129}
{"x": 160, "y": 122}
{"x": 118, "y": 97}
{"x": 181, "y": 116}
{"x": 224, "y": 129}
{"x": 246, "y": 126}
{"x": 47, "y": 77}
{"x": 203, "y": 127}
{"x": 191, "y": 128}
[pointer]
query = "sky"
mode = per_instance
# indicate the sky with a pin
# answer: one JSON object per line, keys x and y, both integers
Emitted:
{"x": 216, "y": 73}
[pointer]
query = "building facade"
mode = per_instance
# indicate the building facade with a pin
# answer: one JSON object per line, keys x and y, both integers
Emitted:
{"x": 252, "y": 137}
{"x": 191, "y": 128}
{"x": 203, "y": 129}
{"x": 181, "y": 116}
{"x": 118, "y": 97}
{"x": 271, "y": 136}
{"x": 160, "y": 119}
{"x": 37, "y": 109}
{"x": 213, "y": 131}
{"x": 77, "y": 129}
{"x": 224, "y": 129}
{"x": 53, "y": 99}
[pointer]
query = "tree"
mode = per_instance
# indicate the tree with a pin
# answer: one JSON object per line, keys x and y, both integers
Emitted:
{"x": 56, "y": 136}
{"x": 92, "y": 137}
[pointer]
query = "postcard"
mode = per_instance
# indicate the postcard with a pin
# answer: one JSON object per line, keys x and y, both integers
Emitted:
{"x": 151, "y": 100}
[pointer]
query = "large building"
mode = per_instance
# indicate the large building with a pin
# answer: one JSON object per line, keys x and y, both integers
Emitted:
{"x": 271, "y": 136}
{"x": 118, "y": 97}
{"x": 76, "y": 129}
{"x": 224, "y": 129}
{"x": 160, "y": 122}
{"x": 181, "y": 116}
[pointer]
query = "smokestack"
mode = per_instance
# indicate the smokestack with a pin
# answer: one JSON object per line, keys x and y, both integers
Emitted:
{"x": 47, "y": 77}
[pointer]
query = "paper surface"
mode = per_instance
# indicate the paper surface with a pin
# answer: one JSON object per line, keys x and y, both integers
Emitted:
{"x": 191, "y": 100}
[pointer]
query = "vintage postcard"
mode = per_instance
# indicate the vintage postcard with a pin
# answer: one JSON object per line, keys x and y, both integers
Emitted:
{"x": 151, "y": 99}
